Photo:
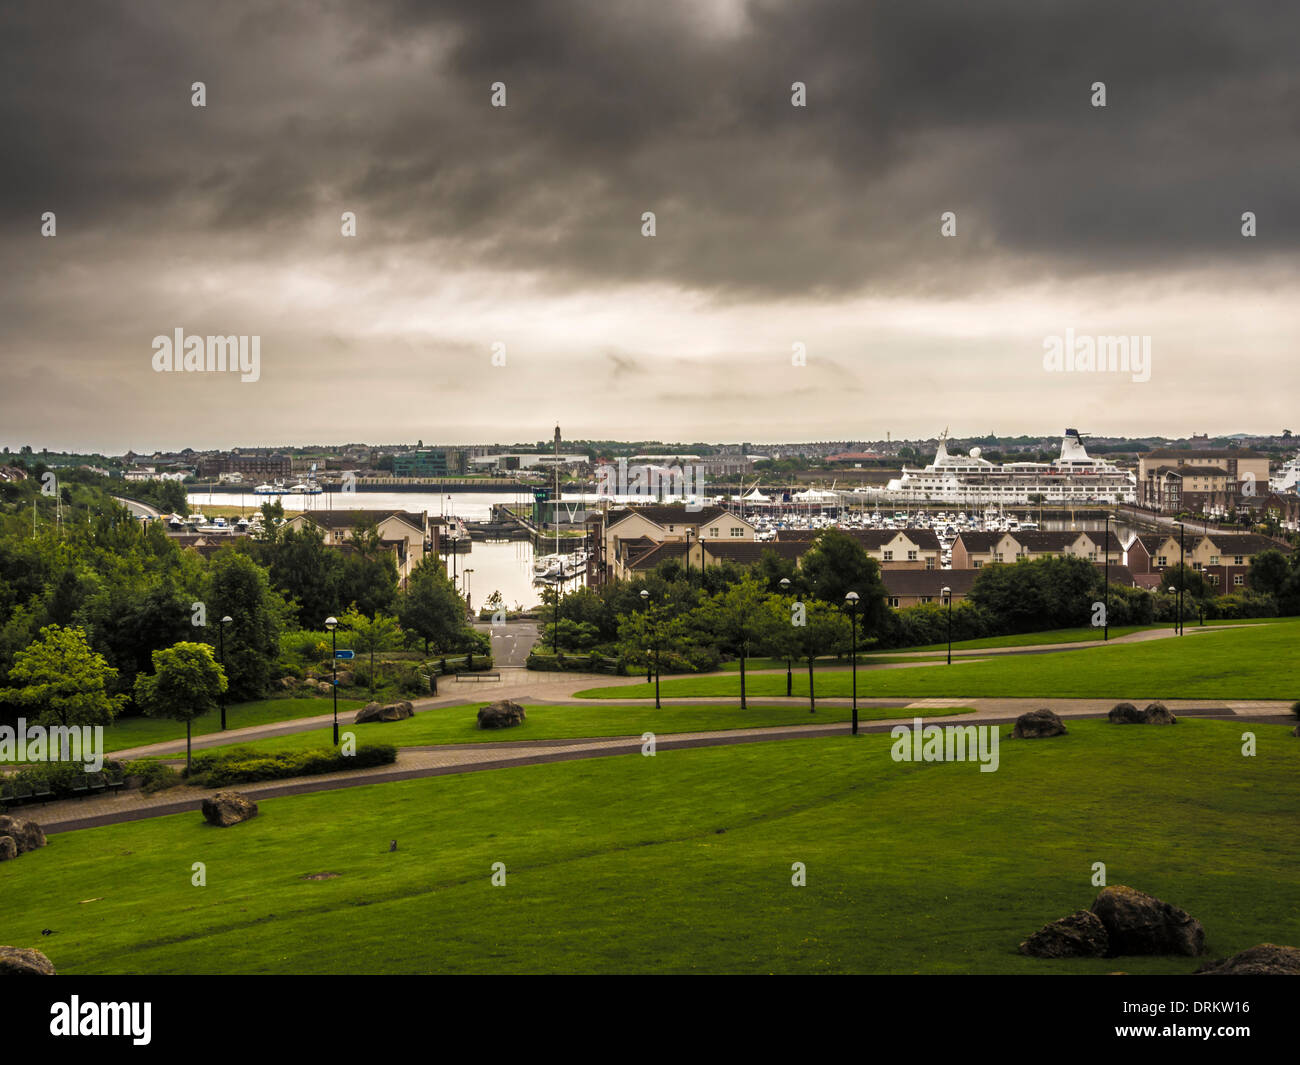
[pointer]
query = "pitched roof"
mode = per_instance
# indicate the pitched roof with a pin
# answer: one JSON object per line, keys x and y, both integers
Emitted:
{"x": 931, "y": 582}
{"x": 1244, "y": 543}
{"x": 750, "y": 552}
{"x": 347, "y": 519}
{"x": 978, "y": 541}
{"x": 669, "y": 549}
{"x": 1046, "y": 539}
{"x": 672, "y": 514}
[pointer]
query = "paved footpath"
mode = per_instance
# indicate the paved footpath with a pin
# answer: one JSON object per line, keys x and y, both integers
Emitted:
{"x": 415, "y": 762}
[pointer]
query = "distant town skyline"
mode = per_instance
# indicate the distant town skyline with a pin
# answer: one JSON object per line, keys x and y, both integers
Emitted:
{"x": 804, "y": 280}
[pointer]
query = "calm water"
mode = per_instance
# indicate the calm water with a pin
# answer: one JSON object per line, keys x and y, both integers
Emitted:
{"x": 504, "y": 567}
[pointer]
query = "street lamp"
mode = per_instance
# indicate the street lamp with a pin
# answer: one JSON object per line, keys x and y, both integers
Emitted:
{"x": 555, "y": 634}
{"x": 332, "y": 624}
{"x": 852, "y": 599}
{"x": 468, "y": 584}
{"x": 1182, "y": 575}
{"x": 789, "y": 679}
{"x": 947, "y": 594}
{"x": 645, "y": 598}
{"x": 1105, "y": 613}
{"x": 222, "y": 634}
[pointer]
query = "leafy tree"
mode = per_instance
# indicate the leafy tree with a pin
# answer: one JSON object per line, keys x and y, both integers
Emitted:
{"x": 63, "y": 681}
{"x": 825, "y": 630}
{"x": 837, "y": 564}
{"x": 430, "y": 608}
{"x": 739, "y": 617}
{"x": 302, "y": 567}
{"x": 239, "y": 588}
{"x": 186, "y": 683}
{"x": 380, "y": 633}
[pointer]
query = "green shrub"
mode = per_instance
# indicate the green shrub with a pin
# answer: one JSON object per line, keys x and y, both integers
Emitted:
{"x": 154, "y": 776}
{"x": 60, "y": 775}
{"x": 218, "y": 769}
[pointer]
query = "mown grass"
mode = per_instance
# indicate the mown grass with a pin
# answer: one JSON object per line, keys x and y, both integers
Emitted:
{"x": 1244, "y": 662}
{"x": 139, "y": 731}
{"x": 457, "y": 724}
{"x": 682, "y": 863}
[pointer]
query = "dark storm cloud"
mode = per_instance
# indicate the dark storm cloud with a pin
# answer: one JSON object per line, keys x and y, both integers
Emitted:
{"x": 678, "y": 108}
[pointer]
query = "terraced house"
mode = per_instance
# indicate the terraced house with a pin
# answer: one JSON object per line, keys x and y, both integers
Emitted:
{"x": 639, "y": 538}
{"x": 407, "y": 534}
{"x": 1223, "y": 558}
{"x": 892, "y": 548}
{"x": 975, "y": 549}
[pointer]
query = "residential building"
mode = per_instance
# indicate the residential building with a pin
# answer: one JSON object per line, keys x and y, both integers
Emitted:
{"x": 1203, "y": 481}
{"x": 408, "y": 535}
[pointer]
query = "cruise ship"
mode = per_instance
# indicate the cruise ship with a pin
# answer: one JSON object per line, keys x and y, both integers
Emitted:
{"x": 1075, "y": 477}
{"x": 1287, "y": 479}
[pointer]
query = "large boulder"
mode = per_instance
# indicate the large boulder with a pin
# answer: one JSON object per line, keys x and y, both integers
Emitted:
{"x": 227, "y": 808}
{"x": 288, "y": 683}
{"x": 1138, "y": 923}
{"x": 27, "y": 835}
{"x": 1266, "y": 959}
{"x": 1081, "y": 935}
{"x": 324, "y": 687}
{"x": 1125, "y": 714}
{"x": 378, "y": 712}
{"x": 8, "y": 848}
{"x": 15, "y": 961}
{"x": 501, "y": 714}
{"x": 1038, "y": 724}
{"x": 346, "y": 678}
{"x": 1158, "y": 714}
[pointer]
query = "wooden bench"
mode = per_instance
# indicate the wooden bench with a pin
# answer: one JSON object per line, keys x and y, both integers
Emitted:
{"x": 477, "y": 676}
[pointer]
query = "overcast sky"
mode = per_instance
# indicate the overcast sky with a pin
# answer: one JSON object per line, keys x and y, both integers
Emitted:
{"x": 776, "y": 225}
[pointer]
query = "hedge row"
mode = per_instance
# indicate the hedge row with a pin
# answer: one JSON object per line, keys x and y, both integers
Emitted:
{"x": 217, "y": 769}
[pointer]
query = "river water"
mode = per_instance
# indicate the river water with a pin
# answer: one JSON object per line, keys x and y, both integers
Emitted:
{"x": 504, "y": 567}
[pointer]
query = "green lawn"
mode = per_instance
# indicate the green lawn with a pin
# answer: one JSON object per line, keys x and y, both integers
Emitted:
{"x": 682, "y": 863}
{"x": 141, "y": 731}
{"x": 829, "y": 662}
{"x": 1259, "y": 662}
{"x": 456, "y": 724}
{"x": 1083, "y": 634}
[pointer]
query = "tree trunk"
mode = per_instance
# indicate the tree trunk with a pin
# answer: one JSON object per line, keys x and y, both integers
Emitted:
{"x": 812, "y": 699}
{"x": 187, "y": 748}
{"x": 372, "y": 670}
{"x": 742, "y": 676}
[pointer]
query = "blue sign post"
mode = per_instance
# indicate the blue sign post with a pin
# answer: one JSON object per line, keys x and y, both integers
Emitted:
{"x": 344, "y": 654}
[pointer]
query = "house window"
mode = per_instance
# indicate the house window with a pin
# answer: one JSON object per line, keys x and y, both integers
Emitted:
{"x": 1239, "y": 580}
{"x": 976, "y": 565}
{"x": 1214, "y": 579}
{"x": 672, "y": 528}
{"x": 713, "y": 532}
{"x": 997, "y": 556}
{"x": 927, "y": 599}
{"x": 911, "y": 556}
{"x": 737, "y": 532}
{"x": 893, "y": 600}
{"x": 929, "y": 563}
{"x": 1196, "y": 566}
{"x": 889, "y": 555}
{"x": 1214, "y": 560}
{"x": 1238, "y": 560}
{"x": 1161, "y": 561}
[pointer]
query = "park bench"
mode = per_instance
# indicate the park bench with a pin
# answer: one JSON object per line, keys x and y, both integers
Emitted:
{"x": 477, "y": 676}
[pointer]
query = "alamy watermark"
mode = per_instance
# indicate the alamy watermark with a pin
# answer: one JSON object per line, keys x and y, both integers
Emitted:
{"x": 652, "y": 482}
{"x": 948, "y": 743}
{"x": 213, "y": 354}
{"x": 57, "y": 743}
{"x": 1098, "y": 354}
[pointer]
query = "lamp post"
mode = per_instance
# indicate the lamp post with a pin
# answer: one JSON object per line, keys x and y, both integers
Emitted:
{"x": 1182, "y": 576}
{"x": 789, "y": 679}
{"x": 222, "y": 639}
{"x": 852, "y": 599}
{"x": 468, "y": 584}
{"x": 645, "y": 598}
{"x": 1105, "y": 613}
{"x": 555, "y": 633}
{"x": 947, "y": 594}
{"x": 332, "y": 623}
